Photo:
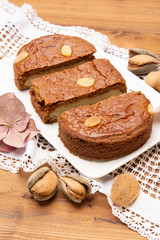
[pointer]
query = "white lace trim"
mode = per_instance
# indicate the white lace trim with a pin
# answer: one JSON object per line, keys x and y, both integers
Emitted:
{"x": 146, "y": 167}
{"x": 136, "y": 222}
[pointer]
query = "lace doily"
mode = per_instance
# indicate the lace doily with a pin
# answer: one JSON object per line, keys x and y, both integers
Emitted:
{"x": 19, "y": 26}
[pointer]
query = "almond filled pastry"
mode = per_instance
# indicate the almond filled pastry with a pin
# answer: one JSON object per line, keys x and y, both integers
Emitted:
{"x": 50, "y": 54}
{"x": 88, "y": 83}
{"x": 108, "y": 129}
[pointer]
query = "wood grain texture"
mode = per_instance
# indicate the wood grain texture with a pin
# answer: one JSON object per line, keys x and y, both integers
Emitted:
{"x": 21, "y": 217}
{"x": 127, "y": 24}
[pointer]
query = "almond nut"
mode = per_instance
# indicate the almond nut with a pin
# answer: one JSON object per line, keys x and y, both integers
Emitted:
{"x": 153, "y": 79}
{"x": 85, "y": 82}
{"x": 150, "y": 109}
{"x": 76, "y": 188}
{"x": 125, "y": 189}
{"x": 42, "y": 184}
{"x": 92, "y": 121}
{"x": 142, "y": 60}
{"x": 144, "y": 69}
{"x": 66, "y": 50}
{"x": 139, "y": 51}
{"x": 20, "y": 57}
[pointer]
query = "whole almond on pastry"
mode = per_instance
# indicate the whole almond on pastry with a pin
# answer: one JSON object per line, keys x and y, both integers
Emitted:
{"x": 150, "y": 109}
{"x": 92, "y": 121}
{"x": 20, "y": 57}
{"x": 66, "y": 51}
{"x": 85, "y": 82}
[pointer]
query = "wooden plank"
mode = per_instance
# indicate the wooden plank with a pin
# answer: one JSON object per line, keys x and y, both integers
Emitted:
{"x": 127, "y": 24}
{"x": 21, "y": 217}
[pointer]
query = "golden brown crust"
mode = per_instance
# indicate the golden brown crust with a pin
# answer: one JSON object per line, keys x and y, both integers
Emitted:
{"x": 61, "y": 88}
{"x": 45, "y": 53}
{"x": 125, "y": 126}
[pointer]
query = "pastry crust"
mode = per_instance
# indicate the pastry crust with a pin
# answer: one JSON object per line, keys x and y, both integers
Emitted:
{"x": 125, "y": 126}
{"x": 53, "y": 94}
{"x": 44, "y": 57}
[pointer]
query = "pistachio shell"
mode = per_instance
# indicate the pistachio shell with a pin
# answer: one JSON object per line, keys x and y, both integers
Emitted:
{"x": 137, "y": 51}
{"x": 75, "y": 187}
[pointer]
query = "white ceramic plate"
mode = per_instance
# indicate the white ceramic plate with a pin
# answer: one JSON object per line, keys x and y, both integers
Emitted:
{"x": 92, "y": 169}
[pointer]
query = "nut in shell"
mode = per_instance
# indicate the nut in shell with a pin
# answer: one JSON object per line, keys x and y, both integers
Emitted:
{"x": 20, "y": 57}
{"x": 143, "y": 63}
{"x": 153, "y": 79}
{"x": 139, "y": 51}
{"x": 144, "y": 69}
{"x": 125, "y": 189}
{"x": 142, "y": 60}
{"x": 42, "y": 184}
{"x": 75, "y": 187}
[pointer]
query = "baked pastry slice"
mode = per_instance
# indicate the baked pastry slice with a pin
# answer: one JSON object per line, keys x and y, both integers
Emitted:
{"x": 49, "y": 54}
{"x": 108, "y": 129}
{"x": 88, "y": 83}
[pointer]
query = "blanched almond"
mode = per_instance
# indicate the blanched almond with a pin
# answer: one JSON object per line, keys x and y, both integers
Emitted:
{"x": 150, "y": 109}
{"x": 85, "y": 82}
{"x": 20, "y": 57}
{"x": 92, "y": 121}
{"x": 66, "y": 50}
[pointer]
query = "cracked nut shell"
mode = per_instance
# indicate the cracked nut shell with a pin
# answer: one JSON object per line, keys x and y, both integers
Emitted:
{"x": 139, "y": 51}
{"x": 75, "y": 187}
{"x": 42, "y": 184}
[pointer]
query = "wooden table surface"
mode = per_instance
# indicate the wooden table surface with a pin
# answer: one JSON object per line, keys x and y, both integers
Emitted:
{"x": 128, "y": 24}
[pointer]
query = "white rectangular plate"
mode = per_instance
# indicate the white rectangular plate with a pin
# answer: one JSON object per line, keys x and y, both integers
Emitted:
{"x": 92, "y": 169}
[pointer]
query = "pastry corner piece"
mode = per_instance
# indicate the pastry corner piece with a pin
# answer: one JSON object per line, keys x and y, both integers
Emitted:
{"x": 88, "y": 83}
{"x": 109, "y": 129}
{"x": 49, "y": 54}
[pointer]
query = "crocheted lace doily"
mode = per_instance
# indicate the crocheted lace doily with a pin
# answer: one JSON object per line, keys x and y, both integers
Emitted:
{"x": 14, "y": 32}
